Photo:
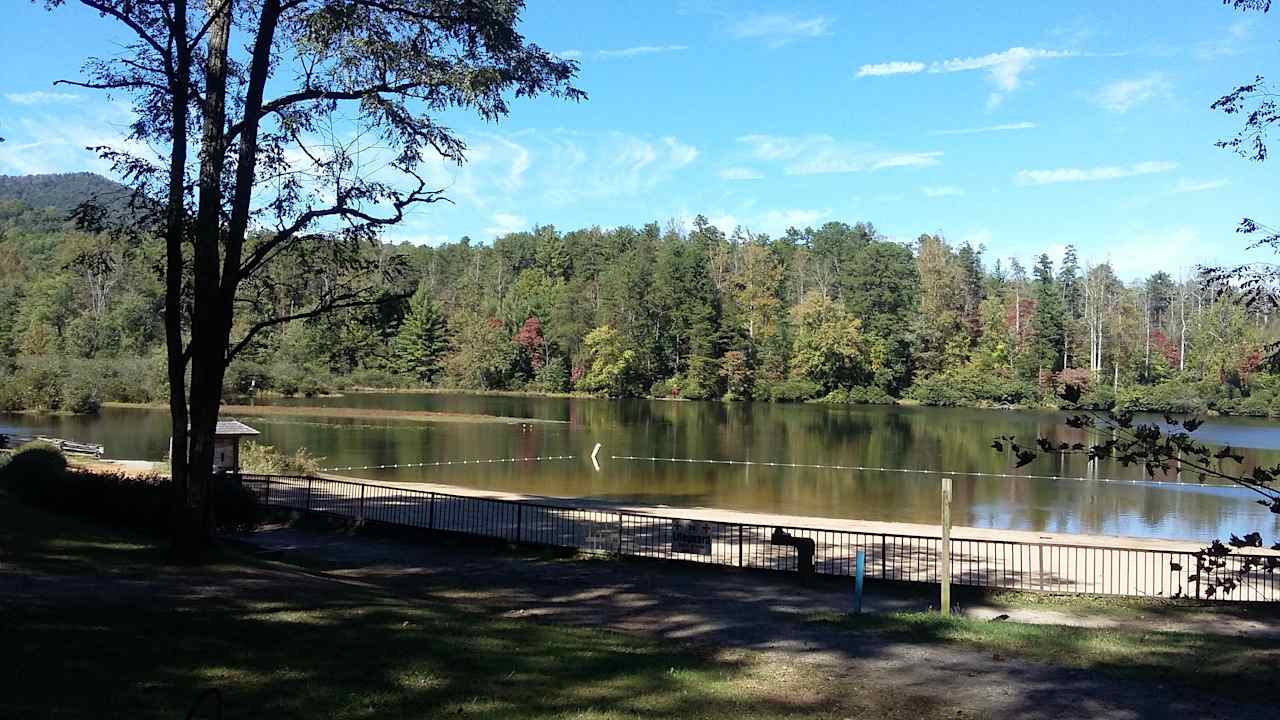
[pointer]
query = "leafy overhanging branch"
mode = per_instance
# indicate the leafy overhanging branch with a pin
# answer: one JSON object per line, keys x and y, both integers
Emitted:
{"x": 1170, "y": 448}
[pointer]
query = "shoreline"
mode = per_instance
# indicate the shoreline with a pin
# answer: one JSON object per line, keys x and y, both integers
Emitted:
{"x": 318, "y": 411}
{"x": 884, "y": 527}
{"x": 746, "y": 517}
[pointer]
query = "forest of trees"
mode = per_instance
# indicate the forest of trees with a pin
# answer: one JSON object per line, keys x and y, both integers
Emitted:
{"x": 836, "y": 313}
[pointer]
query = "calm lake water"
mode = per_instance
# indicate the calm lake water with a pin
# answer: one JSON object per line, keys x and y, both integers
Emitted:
{"x": 953, "y": 439}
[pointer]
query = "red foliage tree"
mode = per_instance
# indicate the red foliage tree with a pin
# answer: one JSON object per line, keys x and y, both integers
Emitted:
{"x": 531, "y": 340}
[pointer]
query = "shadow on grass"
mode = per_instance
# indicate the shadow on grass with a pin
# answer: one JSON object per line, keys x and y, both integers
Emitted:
{"x": 1227, "y": 666}
{"x": 64, "y": 543}
{"x": 361, "y": 658}
{"x": 281, "y": 642}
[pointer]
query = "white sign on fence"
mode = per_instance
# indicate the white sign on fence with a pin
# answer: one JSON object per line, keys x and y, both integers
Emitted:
{"x": 692, "y": 537}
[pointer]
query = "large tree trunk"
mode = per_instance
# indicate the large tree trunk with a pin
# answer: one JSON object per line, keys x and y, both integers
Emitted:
{"x": 215, "y": 288}
{"x": 175, "y": 236}
{"x": 208, "y": 350}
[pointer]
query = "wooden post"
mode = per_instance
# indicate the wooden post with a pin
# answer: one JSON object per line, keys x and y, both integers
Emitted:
{"x": 944, "y": 572}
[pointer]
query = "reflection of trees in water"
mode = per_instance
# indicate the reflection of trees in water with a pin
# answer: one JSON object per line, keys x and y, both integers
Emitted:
{"x": 955, "y": 439}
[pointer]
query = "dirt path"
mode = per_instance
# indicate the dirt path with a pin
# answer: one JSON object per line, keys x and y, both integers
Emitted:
{"x": 753, "y": 599}
{"x": 751, "y": 611}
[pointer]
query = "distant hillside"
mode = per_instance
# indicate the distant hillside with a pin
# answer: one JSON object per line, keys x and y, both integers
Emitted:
{"x": 60, "y": 193}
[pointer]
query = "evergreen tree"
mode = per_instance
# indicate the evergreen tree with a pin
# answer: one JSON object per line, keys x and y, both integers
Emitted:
{"x": 1072, "y": 304}
{"x": 422, "y": 342}
{"x": 1047, "y": 325}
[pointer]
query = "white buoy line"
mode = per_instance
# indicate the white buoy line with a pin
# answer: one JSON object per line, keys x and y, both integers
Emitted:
{"x": 442, "y": 463}
{"x": 918, "y": 471}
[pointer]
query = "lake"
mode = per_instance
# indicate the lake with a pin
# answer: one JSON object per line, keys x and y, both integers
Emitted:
{"x": 951, "y": 439}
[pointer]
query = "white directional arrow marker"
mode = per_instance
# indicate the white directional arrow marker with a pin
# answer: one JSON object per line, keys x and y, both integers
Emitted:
{"x": 594, "y": 453}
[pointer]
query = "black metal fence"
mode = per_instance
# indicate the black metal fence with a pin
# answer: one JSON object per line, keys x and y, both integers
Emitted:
{"x": 1013, "y": 565}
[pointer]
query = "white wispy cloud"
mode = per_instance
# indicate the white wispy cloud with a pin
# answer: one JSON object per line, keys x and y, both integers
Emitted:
{"x": 776, "y": 222}
{"x": 896, "y": 67}
{"x": 740, "y": 173}
{"x": 1123, "y": 95}
{"x": 977, "y": 238}
{"x": 919, "y": 159}
{"x": 1106, "y": 172}
{"x": 822, "y": 154}
{"x": 988, "y": 129}
{"x": 504, "y": 223}
{"x": 51, "y": 143}
{"x": 570, "y": 54}
{"x": 1232, "y": 44}
{"x": 1004, "y": 69}
{"x": 936, "y": 191}
{"x": 1130, "y": 253}
{"x": 548, "y": 169}
{"x": 1189, "y": 186}
{"x": 778, "y": 29}
{"x": 638, "y": 50}
{"x": 724, "y": 222}
{"x": 41, "y": 97}
{"x": 397, "y": 237}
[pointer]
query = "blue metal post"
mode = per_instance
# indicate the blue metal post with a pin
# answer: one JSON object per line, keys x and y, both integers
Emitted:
{"x": 859, "y": 566}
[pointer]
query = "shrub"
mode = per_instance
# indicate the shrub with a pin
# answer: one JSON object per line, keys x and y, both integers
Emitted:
{"x": 32, "y": 467}
{"x": 377, "y": 378}
{"x": 788, "y": 390}
{"x": 972, "y": 385}
{"x": 1167, "y": 397}
{"x": 38, "y": 383}
{"x": 553, "y": 376}
{"x": 80, "y": 390}
{"x": 244, "y": 378}
{"x": 266, "y": 460}
{"x": 38, "y": 474}
{"x": 666, "y": 388}
{"x": 11, "y": 399}
{"x": 859, "y": 395}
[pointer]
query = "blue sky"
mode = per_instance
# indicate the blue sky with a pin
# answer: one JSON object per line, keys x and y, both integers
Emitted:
{"x": 1022, "y": 126}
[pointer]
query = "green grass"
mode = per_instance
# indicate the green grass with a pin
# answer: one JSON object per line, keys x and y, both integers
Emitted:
{"x": 1132, "y": 609}
{"x": 327, "y": 649}
{"x": 1233, "y": 666}
{"x": 280, "y": 641}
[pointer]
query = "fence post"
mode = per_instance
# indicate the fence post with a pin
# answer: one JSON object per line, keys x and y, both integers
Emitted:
{"x": 944, "y": 572}
{"x": 519, "y": 520}
{"x": 307, "y": 506}
{"x": 884, "y": 557}
{"x": 431, "y": 513}
{"x": 739, "y": 545}
{"x": 1199, "y": 568}
{"x": 1041, "y": 573}
{"x": 360, "y": 515}
{"x": 619, "y": 533}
